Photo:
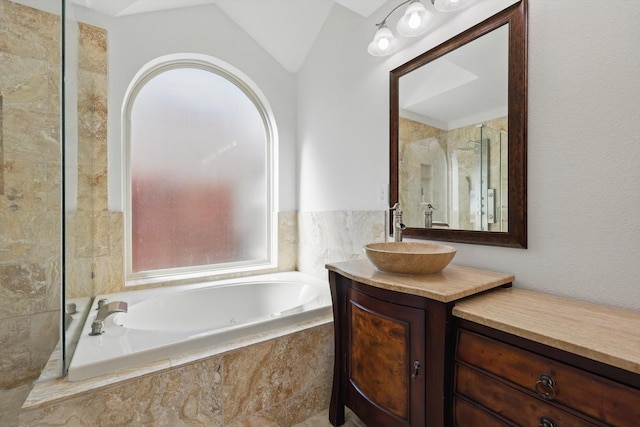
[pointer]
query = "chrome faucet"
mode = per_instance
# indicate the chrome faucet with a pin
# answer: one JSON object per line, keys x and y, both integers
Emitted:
{"x": 398, "y": 226}
{"x": 428, "y": 215}
{"x": 105, "y": 311}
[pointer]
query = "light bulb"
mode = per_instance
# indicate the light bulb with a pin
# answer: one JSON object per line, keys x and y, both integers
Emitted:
{"x": 383, "y": 44}
{"x": 414, "y": 21}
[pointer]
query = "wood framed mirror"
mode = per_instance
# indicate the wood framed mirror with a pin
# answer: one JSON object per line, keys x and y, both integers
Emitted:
{"x": 458, "y": 136}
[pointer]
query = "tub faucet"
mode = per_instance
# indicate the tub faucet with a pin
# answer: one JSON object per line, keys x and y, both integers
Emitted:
{"x": 398, "y": 226}
{"x": 104, "y": 312}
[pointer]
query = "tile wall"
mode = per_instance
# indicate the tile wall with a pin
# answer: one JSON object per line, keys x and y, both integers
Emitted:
{"x": 29, "y": 197}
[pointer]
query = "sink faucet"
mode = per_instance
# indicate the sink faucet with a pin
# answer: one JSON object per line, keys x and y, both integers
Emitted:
{"x": 428, "y": 215}
{"x": 398, "y": 226}
{"x": 105, "y": 311}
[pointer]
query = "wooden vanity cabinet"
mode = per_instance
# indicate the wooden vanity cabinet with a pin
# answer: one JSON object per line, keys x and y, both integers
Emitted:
{"x": 504, "y": 380}
{"x": 393, "y": 352}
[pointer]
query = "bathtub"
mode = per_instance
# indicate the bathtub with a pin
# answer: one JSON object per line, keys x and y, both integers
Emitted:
{"x": 168, "y": 323}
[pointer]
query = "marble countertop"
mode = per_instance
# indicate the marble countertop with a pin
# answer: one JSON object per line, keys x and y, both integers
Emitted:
{"x": 608, "y": 335}
{"x": 453, "y": 283}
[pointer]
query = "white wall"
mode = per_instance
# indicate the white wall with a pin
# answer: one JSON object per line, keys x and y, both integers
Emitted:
{"x": 137, "y": 39}
{"x": 584, "y": 140}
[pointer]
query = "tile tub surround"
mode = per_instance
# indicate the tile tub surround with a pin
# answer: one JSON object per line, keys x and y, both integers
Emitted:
{"x": 281, "y": 382}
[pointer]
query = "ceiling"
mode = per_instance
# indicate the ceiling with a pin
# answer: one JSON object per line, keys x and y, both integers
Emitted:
{"x": 287, "y": 29}
{"x": 270, "y": 22}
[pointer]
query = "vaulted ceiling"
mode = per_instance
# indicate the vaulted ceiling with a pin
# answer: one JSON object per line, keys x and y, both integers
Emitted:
{"x": 270, "y": 22}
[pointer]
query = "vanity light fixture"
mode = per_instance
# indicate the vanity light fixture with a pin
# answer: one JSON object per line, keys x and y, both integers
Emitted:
{"x": 450, "y": 5}
{"x": 415, "y": 22}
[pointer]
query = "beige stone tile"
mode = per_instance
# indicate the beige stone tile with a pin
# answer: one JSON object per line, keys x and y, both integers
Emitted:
{"x": 322, "y": 420}
{"x": 311, "y": 260}
{"x": 305, "y": 405}
{"x": 31, "y": 237}
{"x": 44, "y": 334}
{"x": 30, "y": 136}
{"x": 263, "y": 419}
{"x": 253, "y": 381}
{"x": 101, "y": 233}
{"x": 108, "y": 275}
{"x": 116, "y": 231}
{"x": 93, "y": 48}
{"x": 312, "y": 229}
{"x": 189, "y": 395}
{"x": 83, "y": 234}
{"x": 29, "y": 32}
{"x": 53, "y": 270}
{"x": 10, "y": 403}
{"x": 22, "y": 289}
{"x": 15, "y": 356}
{"x": 287, "y": 240}
{"x": 78, "y": 274}
{"x": 368, "y": 227}
{"x": 273, "y": 371}
{"x": 92, "y": 108}
{"x": 25, "y": 82}
{"x": 25, "y": 186}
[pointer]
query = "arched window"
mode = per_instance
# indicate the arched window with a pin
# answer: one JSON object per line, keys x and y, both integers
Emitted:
{"x": 199, "y": 142}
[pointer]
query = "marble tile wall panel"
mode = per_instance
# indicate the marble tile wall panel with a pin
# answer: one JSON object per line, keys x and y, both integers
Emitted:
{"x": 279, "y": 382}
{"x": 335, "y": 236}
{"x": 30, "y": 196}
{"x": 29, "y": 33}
{"x": 1, "y": 152}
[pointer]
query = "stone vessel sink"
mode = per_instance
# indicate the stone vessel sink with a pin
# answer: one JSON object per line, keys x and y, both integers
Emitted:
{"x": 409, "y": 257}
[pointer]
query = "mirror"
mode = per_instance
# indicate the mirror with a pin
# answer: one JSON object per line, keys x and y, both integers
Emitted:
{"x": 459, "y": 135}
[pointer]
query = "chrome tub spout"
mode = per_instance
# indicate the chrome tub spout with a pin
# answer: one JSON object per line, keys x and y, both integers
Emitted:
{"x": 104, "y": 312}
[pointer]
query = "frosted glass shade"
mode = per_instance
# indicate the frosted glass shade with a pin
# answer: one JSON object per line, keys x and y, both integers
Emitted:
{"x": 450, "y": 5}
{"x": 415, "y": 21}
{"x": 383, "y": 43}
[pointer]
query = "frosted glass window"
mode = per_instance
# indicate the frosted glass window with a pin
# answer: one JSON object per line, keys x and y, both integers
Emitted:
{"x": 199, "y": 184}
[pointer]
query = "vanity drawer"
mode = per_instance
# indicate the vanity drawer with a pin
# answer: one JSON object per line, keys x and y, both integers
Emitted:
{"x": 467, "y": 415}
{"x": 600, "y": 398}
{"x": 510, "y": 403}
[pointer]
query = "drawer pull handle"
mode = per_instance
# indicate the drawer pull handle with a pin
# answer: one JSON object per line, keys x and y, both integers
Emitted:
{"x": 546, "y": 422}
{"x": 545, "y": 387}
{"x": 416, "y": 369}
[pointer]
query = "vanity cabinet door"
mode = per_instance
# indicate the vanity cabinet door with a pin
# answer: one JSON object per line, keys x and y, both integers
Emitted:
{"x": 385, "y": 366}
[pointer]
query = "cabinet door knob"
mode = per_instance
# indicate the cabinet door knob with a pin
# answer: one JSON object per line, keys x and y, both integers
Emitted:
{"x": 546, "y": 422}
{"x": 416, "y": 369}
{"x": 545, "y": 387}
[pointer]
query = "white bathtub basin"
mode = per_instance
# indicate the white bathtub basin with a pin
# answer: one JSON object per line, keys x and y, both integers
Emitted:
{"x": 166, "y": 323}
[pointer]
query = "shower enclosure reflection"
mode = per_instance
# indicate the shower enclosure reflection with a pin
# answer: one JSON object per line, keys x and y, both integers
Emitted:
{"x": 454, "y": 179}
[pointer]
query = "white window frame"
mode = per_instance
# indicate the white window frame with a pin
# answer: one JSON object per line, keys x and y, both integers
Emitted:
{"x": 253, "y": 92}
